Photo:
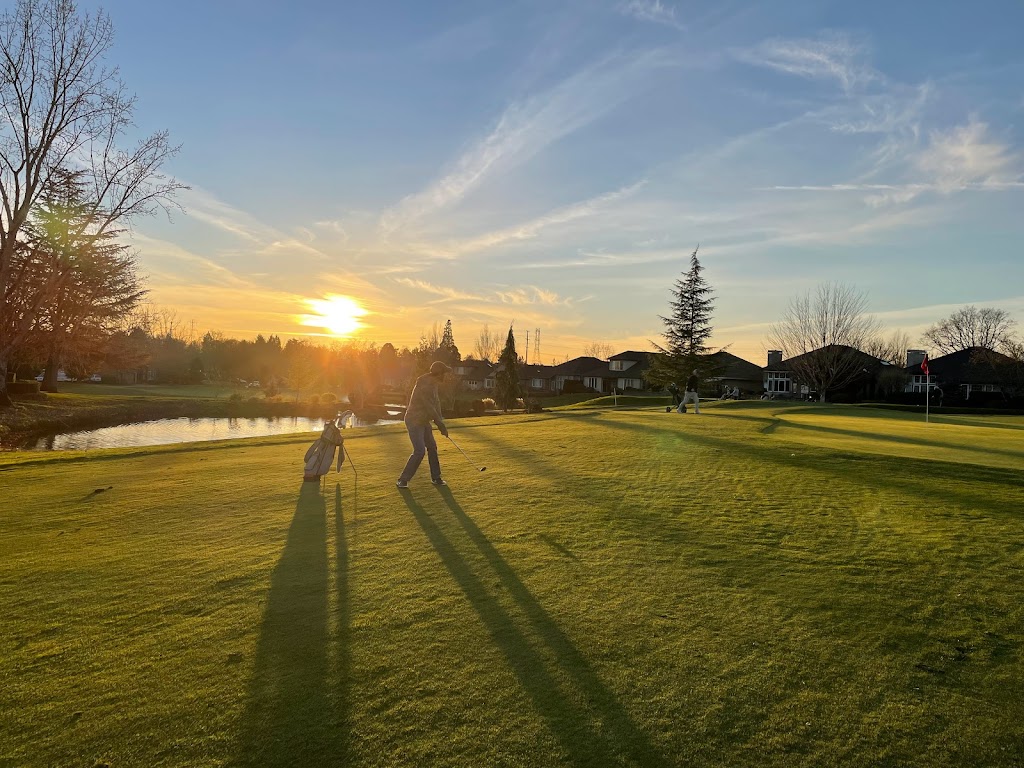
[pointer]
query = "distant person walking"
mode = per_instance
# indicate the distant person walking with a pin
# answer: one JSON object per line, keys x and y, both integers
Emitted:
{"x": 690, "y": 393}
{"x": 425, "y": 407}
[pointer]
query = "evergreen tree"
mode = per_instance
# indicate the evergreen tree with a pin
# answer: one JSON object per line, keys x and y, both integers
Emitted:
{"x": 90, "y": 281}
{"x": 447, "y": 351}
{"x": 507, "y": 379}
{"x": 687, "y": 329}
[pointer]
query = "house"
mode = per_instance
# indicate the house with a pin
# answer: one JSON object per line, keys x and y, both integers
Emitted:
{"x": 725, "y": 371}
{"x": 536, "y": 379}
{"x": 626, "y": 370}
{"x": 856, "y": 375}
{"x": 975, "y": 375}
{"x": 588, "y": 371}
{"x": 533, "y": 379}
{"x": 475, "y": 374}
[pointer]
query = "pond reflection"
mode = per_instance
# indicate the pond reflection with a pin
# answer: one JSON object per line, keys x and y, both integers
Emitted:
{"x": 184, "y": 430}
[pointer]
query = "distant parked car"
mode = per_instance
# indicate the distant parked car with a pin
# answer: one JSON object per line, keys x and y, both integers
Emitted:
{"x": 253, "y": 385}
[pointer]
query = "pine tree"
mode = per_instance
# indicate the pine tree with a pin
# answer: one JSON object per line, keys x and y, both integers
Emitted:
{"x": 507, "y": 379}
{"x": 687, "y": 329}
{"x": 446, "y": 350}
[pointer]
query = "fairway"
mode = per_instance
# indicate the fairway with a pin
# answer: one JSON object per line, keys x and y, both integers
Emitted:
{"x": 759, "y": 585}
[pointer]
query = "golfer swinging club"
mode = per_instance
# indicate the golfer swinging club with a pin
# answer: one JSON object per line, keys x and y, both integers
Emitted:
{"x": 690, "y": 395}
{"x": 424, "y": 407}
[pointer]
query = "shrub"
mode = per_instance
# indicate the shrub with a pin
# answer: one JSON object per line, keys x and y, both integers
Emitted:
{"x": 314, "y": 399}
{"x": 235, "y": 397}
{"x": 489, "y": 404}
{"x": 477, "y": 407}
{"x": 520, "y": 403}
{"x": 23, "y": 387}
{"x": 328, "y": 398}
{"x": 574, "y": 388}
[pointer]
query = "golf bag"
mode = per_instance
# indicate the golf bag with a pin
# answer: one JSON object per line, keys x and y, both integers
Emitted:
{"x": 320, "y": 455}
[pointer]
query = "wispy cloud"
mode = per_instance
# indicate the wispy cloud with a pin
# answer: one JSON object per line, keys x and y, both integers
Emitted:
{"x": 966, "y": 157}
{"x": 521, "y": 296}
{"x": 831, "y": 57}
{"x": 531, "y": 229}
{"x": 529, "y": 126}
{"x": 963, "y": 158}
{"x": 651, "y": 10}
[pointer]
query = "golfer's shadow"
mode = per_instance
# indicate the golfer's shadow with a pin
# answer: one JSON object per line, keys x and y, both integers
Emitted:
{"x": 295, "y": 715}
{"x": 569, "y": 709}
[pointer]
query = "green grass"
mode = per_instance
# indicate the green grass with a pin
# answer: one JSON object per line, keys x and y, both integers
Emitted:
{"x": 215, "y": 391}
{"x": 759, "y": 585}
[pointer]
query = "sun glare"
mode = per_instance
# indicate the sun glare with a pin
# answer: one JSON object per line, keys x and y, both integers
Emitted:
{"x": 337, "y": 314}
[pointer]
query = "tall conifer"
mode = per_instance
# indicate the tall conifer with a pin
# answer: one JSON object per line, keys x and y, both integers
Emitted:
{"x": 507, "y": 378}
{"x": 687, "y": 329}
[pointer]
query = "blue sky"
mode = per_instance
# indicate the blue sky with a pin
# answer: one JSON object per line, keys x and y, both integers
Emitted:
{"x": 554, "y": 163}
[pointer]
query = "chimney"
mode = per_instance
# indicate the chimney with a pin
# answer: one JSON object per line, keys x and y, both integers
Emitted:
{"x": 774, "y": 357}
{"x": 914, "y": 357}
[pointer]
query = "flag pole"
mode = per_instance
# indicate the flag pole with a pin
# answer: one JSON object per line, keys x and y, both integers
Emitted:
{"x": 927, "y": 394}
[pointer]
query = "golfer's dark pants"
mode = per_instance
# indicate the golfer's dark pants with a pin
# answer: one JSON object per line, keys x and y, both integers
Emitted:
{"x": 422, "y": 438}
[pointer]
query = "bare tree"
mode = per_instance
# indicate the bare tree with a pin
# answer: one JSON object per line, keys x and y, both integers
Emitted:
{"x": 968, "y": 327}
{"x": 599, "y": 349}
{"x": 892, "y": 349}
{"x": 822, "y": 336}
{"x": 62, "y": 107}
{"x": 487, "y": 345}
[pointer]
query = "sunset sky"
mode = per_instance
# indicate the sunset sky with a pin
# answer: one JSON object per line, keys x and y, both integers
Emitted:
{"x": 553, "y": 163}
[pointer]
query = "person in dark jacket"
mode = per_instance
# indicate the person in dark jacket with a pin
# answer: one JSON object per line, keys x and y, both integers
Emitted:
{"x": 690, "y": 395}
{"x": 424, "y": 408}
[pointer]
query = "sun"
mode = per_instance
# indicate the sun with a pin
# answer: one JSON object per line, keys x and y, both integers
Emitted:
{"x": 338, "y": 314}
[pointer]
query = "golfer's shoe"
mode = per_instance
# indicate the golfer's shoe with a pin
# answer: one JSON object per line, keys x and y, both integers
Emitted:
{"x": 439, "y": 481}
{"x": 402, "y": 484}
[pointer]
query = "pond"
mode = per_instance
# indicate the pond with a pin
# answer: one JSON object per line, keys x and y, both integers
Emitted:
{"x": 185, "y": 430}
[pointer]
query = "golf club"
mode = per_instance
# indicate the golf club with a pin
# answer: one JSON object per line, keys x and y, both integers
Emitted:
{"x": 349, "y": 457}
{"x": 478, "y": 469}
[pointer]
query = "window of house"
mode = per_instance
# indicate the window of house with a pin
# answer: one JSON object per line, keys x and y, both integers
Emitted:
{"x": 777, "y": 382}
{"x": 920, "y": 384}
{"x": 488, "y": 383}
{"x": 537, "y": 383}
{"x": 593, "y": 382}
{"x": 617, "y": 365}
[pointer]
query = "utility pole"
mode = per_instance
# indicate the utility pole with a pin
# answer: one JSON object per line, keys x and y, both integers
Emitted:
{"x": 527, "y": 353}
{"x": 536, "y": 344}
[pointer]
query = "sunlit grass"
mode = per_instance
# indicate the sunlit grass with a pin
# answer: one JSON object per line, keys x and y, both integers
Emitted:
{"x": 759, "y": 585}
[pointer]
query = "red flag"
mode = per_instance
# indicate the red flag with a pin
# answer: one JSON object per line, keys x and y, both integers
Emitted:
{"x": 924, "y": 365}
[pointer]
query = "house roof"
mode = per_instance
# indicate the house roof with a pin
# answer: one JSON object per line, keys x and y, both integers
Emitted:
{"x": 974, "y": 365}
{"x": 787, "y": 365}
{"x": 536, "y": 371}
{"x": 581, "y": 366}
{"x": 477, "y": 366}
{"x": 728, "y": 366}
{"x": 637, "y": 357}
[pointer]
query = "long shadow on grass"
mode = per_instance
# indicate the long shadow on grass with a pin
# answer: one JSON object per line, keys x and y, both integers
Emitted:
{"x": 343, "y": 631}
{"x": 289, "y": 719}
{"x": 904, "y": 440}
{"x": 569, "y": 714}
{"x": 836, "y": 462}
{"x": 908, "y": 475}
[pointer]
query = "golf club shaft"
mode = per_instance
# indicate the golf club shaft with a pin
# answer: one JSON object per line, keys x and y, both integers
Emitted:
{"x": 478, "y": 469}
{"x": 349, "y": 457}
